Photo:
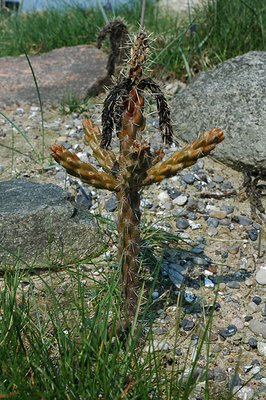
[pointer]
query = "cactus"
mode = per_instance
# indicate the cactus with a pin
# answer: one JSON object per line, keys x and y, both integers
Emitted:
{"x": 135, "y": 166}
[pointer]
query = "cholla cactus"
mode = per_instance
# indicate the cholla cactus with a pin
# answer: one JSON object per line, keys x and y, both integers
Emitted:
{"x": 135, "y": 166}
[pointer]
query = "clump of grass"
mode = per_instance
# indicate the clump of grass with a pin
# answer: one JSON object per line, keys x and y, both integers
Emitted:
{"x": 57, "y": 345}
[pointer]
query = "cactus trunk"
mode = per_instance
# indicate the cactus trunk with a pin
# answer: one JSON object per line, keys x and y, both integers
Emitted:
{"x": 128, "y": 228}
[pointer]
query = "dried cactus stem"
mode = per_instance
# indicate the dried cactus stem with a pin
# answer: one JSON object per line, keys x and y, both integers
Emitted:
{"x": 128, "y": 247}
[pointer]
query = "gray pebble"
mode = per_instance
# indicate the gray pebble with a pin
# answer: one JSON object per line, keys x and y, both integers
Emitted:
{"x": 188, "y": 178}
{"x": 253, "y": 342}
{"x": 212, "y": 231}
{"x": 244, "y": 392}
{"x": 228, "y": 209}
{"x": 252, "y": 307}
{"x": 238, "y": 323}
{"x": 182, "y": 223}
{"x": 261, "y": 276}
{"x": 173, "y": 193}
{"x": 218, "y": 374}
{"x": 226, "y": 185}
{"x": 208, "y": 283}
{"x": 198, "y": 249}
{"x": 262, "y": 348}
{"x": 233, "y": 285}
{"x": 146, "y": 203}
{"x": 111, "y": 204}
{"x": 155, "y": 295}
{"x": 217, "y": 179}
{"x": 175, "y": 277}
{"x": 243, "y": 220}
{"x": 258, "y": 327}
{"x": 193, "y": 216}
{"x": 180, "y": 200}
{"x": 200, "y": 261}
{"x": 225, "y": 221}
{"x": 228, "y": 332}
{"x": 187, "y": 324}
{"x": 257, "y": 300}
{"x": 253, "y": 234}
{"x": 213, "y": 222}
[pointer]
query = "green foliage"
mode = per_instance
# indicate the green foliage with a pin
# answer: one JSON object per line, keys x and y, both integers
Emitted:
{"x": 184, "y": 44}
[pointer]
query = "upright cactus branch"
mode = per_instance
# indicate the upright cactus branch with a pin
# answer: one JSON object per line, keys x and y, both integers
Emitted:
{"x": 135, "y": 165}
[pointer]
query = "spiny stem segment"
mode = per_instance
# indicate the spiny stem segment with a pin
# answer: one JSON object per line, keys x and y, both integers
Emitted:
{"x": 135, "y": 165}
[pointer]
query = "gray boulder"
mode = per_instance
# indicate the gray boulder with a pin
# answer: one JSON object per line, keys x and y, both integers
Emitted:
{"x": 41, "y": 228}
{"x": 231, "y": 96}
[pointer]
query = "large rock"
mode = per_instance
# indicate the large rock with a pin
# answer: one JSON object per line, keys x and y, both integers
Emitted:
{"x": 232, "y": 96}
{"x": 40, "y": 227}
{"x": 60, "y": 74}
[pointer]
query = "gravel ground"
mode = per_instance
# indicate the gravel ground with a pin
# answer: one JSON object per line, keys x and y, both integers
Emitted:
{"x": 225, "y": 264}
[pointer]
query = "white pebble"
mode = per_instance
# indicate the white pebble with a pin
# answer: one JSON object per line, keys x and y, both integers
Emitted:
{"x": 180, "y": 200}
{"x": 261, "y": 275}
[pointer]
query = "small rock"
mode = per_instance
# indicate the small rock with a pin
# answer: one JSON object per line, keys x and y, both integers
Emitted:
{"x": 244, "y": 392}
{"x": 233, "y": 285}
{"x": 247, "y": 368}
{"x": 192, "y": 215}
{"x": 225, "y": 222}
{"x": 226, "y": 185}
{"x": 252, "y": 307}
{"x": 257, "y": 300}
{"x": 155, "y": 295}
{"x": 213, "y": 222}
{"x": 243, "y": 220}
{"x": 218, "y": 374}
{"x": 111, "y": 204}
{"x": 258, "y": 327}
{"x": 253, "y": 234}
{"x": 208, "y": 283}
{"x": 163, "y": 197}
{"x": 228, "y": 332}
{"x": 146, "y": 203}
{"x": 228, "y": 209}
{"x": 262, "y": 348}
{"x": 187, "y": 324}
{"x": 182, "y": 223}
{"x": 175, "y": 277}
{"x": 216, "y": 348}
{"x": 200, "y": 261}
{"x": 261, "y": 276}
{"x": 253, "y": 342}
{"x": 217, "y": 214}
{"x": 234, "y": 248}
{"x": 189, "y": 297}
{"x": 238, "y": 323}
{"x": 194, "y": 225}
{"x": 188, "y": 178}
{"x": 217, "y": 179}
{"x": 173, "y": 193}
{"x": 180, "y": 200}
{"x": 20, "y": 111}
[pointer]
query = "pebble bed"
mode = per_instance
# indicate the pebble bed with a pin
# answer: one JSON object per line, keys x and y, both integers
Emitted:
{"x": 223, "y": 268}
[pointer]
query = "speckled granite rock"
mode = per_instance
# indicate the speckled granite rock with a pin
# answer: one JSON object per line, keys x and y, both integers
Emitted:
{"x": 40, "y": 227}
{"x": 231, "y": 96}
{"x": 60, "y": 73}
